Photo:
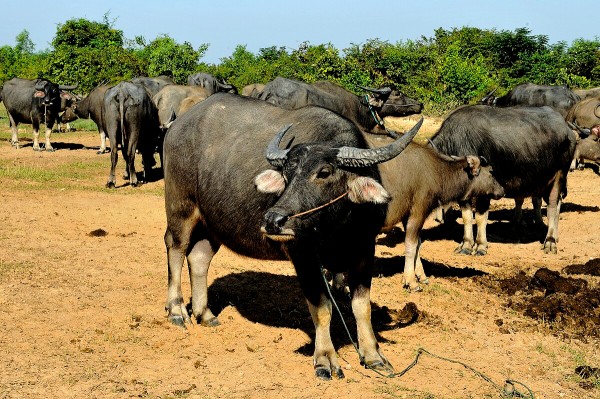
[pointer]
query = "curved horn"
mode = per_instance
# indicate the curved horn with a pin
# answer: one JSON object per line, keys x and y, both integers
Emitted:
{"x": 584, "y": 132}
{"x": 68, "y": 87}
{"x": 362, "y": 157}
{"x": 383, "y": 90}
{"x": 276, "y": 156}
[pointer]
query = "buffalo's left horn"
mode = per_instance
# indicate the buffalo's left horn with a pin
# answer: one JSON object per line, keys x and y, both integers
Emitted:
{"x": 276, "y": 156}
{"x": 362, "y": 157}
{"x": 68, "y": 87}
{"x": 384, "y": 90}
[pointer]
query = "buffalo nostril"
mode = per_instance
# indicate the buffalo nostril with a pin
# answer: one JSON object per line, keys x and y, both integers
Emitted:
{"x": 274, "y": 222}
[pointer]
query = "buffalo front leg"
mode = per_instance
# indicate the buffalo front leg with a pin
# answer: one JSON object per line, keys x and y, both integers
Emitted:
{"x": 198, "y": 263}
{"x": 48, "y": 146}
{"x": 482, "y": 209}
{"x": 466, "y": 246}
{"x": 413, "y": 268}
{"x": 325, "y": 358}
{"x": 14, "y": 140}
{"x": 553, "y": 213}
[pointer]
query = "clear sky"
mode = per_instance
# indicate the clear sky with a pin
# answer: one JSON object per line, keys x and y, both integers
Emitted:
{"x": 224, "y": 24}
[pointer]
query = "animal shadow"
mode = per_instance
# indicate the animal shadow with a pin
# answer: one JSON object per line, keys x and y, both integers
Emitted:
{"x": 277, "y": 301}
{"x": 387, "y": 267}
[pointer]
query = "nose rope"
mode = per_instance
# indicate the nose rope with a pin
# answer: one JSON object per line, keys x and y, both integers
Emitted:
{"x": 319, "y": 207}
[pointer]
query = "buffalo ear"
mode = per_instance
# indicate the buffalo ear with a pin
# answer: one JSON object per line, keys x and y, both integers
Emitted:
{"x": 474, "y": 165}
{"x": 39, "y": 94}
{"x": 365, "y": 189}
{"x": 270, "y": 182}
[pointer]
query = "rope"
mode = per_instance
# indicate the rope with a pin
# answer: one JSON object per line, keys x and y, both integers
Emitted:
{"x": 373, "y": 113}
{"x": 319, "y": 207}
{"x": 508, "y": 391}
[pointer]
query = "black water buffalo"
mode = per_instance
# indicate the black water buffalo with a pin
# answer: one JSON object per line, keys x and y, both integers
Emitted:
{"x": 318, "y": 202}
{"x": 366, "y": 111}
{"x": 530, "y": 149}
{"x": 130, "y": 119}
{"x": 560, "y": 98}
{"x": 168, "y": 100}
{"x": 32, "y": 101}
{"x": 91, "y": 108}
{"x": 66, "y": 114}
{"x": 153, "y": 85}
{"x": 420, "y": 179}
{"x": 211, "y": 83}
{"x": 588, "y": 93}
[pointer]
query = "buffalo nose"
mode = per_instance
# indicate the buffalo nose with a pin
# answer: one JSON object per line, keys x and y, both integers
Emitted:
{"x": 274, "y": 221}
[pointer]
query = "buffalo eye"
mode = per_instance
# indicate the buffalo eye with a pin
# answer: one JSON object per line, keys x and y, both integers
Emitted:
{"x": 325, "y": 172}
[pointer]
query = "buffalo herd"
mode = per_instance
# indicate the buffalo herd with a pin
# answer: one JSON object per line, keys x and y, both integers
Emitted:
{"x": 310, "y": 173}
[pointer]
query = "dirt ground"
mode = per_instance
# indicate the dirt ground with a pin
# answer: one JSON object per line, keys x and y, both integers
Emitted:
{"x": 83, "y": 280}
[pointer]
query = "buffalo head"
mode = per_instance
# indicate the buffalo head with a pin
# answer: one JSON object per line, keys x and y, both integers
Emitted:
{"x": 318, "y": 183}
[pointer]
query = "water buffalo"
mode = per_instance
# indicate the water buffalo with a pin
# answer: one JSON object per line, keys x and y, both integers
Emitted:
{"x": 318, "y": 202}
{"x": 561, "y": 98}
{"x": 66, "y": 114}
{"x": 587, "y": 149}
{"x": 91, "y": 108}
{"x": 168, "y": 100}
{"x": 130, "y": 119}
{"x": 32, "y": 101}
{"x": 530, "y": 149}
{"x": 588, "y": 93}
{"x": 211, "y": 83}
{"x": 253, "y": 90}
{"x": 366, "y": 111}
{"x": 420, "y": 179}
{"x": 585, "y": 113}
{"x": 153, "y": 85}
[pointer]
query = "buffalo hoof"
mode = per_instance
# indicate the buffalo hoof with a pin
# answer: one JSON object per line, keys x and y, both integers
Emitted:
{"x": 550, "y": 247}
{"x": 212, "y": 322}
{"x": 480, "y": 252}
{"x": 425, "y": 280}
{"x": 110, "y": 184}
{"x": 37, "y": 148}
{"x": 323, "y": 373}
{"x": 381, "y": 366}
{"x": 99, "y": 152}
{"x": 50, "y": 149}
{"x": 14, "y": 144}
{"x": 177, "y": 320}
{"x": 462, "y": 251}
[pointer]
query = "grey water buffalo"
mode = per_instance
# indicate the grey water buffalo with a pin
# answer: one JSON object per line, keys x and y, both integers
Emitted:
{"x": 35, "y": 102}
{"x": 585, "y": 113}
{"x": 168, "y": 100}
{"x": 210, "y": 83}
{"x": 530, "y": 149}
{"x": 588, "y": 149}
{"x": 588, "y": 93}
{"x": 316, "y": 200}
{"x": 253, "y": 90}
{"x": 420, "y": 179}
{"x": 130, "y": 119}
{"x": 153, "y": 85}
{"x": 91, "y": 108}
{"x": 560, "y": 98}
{"x": 66, "y": 114}
{"x": 366, "y": 111}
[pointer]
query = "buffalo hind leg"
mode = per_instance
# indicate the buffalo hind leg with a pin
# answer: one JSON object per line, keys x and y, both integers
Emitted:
{"x": 198, "y": 263}
{"x": 553, "y": 213}
{"x": 413, "y": 267}
{"x": 14, "y": 140}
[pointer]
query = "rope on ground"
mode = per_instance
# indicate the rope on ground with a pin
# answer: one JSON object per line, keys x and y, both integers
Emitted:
{"x": 507, "y": 391}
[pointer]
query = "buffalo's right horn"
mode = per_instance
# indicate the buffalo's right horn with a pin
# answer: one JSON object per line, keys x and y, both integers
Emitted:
{"x": 275, "y": 155}
{"x": 68, "y": 87}
{"x": 384, "y": 90}
{"x": 584, "y": 132}
{"x": 487, "y": 97}
{"x": 363, "y": 157}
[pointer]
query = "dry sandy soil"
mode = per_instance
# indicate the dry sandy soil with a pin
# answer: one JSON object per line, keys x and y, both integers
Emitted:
{"x": 83, "y": 282}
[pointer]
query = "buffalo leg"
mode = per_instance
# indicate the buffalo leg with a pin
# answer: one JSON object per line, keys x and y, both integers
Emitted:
{"x": 412, "y": 243}
{"x": 466, "y": 246}
{"x": 198, "y": 263}
{"x": 518, "y": 214}
{"x": 553, "y": 212}
{"x": 537, "y": 209}
{"x": 482, "y": 210}
{"x": 177, "y": 241}
{"x": 14, "y": 141}
{"x": 48, "y": 133}
{"x": 131, "y": 147}
{"x": 35, "y": 126}
{"x": 102, "y": 149}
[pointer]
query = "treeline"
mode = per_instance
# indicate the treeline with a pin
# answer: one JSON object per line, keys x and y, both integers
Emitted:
{"x": 451, "y": 68}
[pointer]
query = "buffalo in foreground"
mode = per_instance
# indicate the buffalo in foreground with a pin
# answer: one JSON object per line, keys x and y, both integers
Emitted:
{"x": 530, "y": 149}
{"x": 317, "y": 202}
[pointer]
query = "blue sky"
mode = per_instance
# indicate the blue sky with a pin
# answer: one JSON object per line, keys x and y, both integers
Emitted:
{"x": 264, "y": 23}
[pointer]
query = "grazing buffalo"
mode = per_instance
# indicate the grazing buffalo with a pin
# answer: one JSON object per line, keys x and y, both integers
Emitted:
{"x": 560, "y": 98}
{"x": 153, "y": 85}
{"x": 130, "y": 119}
{"x": 253, "y": 90}
{"x": 530, "y": 149}
{"x": 418, "y": 181}
{"x": 317, "y": 202}
{"x": 366, "y": 111}
{"x": 588, "y": 93}
{"x": 588, "y": 149}
{"x": 210, "y": 83}
{"x": 66, "y": 114}
{"x": 168, "y": 100}
{"x": 32, "y": 101}
{"x": 585, "y": 113}
{"x": 91, "y": 108}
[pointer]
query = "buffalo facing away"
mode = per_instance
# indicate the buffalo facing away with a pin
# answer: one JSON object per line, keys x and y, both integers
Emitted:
{"x": 317, "y": 202}
{"x": 91, "y": 108}
{"x": 530, "y": 149}
{"x": 366, "y": 111}
{"x": 210, "y": 83}
{"x": 32, "y": 101}
{"x": 130, "y": 119}
{"x": 560, "y": 98}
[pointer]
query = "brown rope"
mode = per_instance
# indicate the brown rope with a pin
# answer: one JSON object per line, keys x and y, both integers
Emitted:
{"x": 319, "y": 207}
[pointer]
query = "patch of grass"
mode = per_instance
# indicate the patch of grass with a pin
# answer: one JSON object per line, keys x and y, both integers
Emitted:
{"x": 540, "y": 348}
{"x": 18, "y": 170}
